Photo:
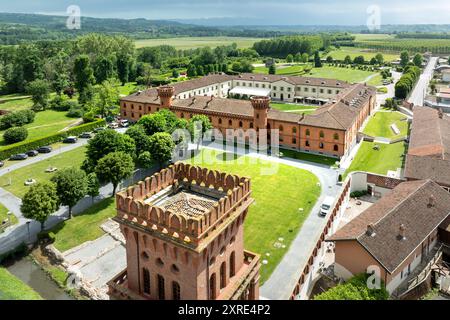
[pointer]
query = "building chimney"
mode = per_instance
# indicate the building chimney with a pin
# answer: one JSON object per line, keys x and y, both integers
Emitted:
{"x": 165, "y": 94}
{"x": 431, "y": 201}
{"x": 371, "y": 230}
{"x": 401, "y": 232}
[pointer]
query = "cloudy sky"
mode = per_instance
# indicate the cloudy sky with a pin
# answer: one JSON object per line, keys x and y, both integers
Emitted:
{"x": 281, "y": 12}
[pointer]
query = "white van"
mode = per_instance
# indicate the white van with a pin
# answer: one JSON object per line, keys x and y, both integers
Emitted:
{"x": 326, "y": 206}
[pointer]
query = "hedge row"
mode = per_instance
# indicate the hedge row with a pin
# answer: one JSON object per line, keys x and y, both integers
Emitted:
{"x": 25, "y": 146}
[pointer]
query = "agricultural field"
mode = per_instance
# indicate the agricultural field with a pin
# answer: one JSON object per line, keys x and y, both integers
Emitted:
{"x": 274, "y": 214}
{"x": 46, "y": 123}
{"x": 340, "y": 54}
{"x": 73, "y": 158}
{"x": 344, "y": 74}
{"x": 197, "y": 42}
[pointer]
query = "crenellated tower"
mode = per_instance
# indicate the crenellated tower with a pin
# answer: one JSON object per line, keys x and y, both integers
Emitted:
{"x": 165, "y": 94}
{"x": 261, "y": 106}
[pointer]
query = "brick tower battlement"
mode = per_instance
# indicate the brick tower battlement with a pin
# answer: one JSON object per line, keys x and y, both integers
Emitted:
{"x": 183, "y": 202}
{"x": 165, "y": 94}
{"x": 260, "y": 102}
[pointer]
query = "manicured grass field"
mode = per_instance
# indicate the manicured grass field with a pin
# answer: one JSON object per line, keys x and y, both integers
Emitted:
{"x": 127, "y": 89}
{"x": 389, "y": 157}
{"x": 198, "y": 42}
{"x": 45, "y": 123}
{"x": 15, "y": 102}
{"x": 310, "y": 157}
{"x": 290, "y": 106}
{"x": 341, "y": 53}
{"x": 11, "y": 288}
{"x": 84, "y": 227}
{"x": 4, "y": 216}
{"x": 278, "y": 199}
{"x": 73, "y": 158}
{"x": 380, "y": 125}
{"x": 344, "y": 74}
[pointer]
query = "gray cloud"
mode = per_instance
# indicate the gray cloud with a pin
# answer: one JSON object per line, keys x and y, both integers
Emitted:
{"x": 257, "y": 11}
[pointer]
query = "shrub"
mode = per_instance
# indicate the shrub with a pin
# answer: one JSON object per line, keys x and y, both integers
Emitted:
{"x": 61, "y": 103}
{"x": 16, "y": 119}
{"x": 354, "y": 289}
{"x": 75, "y": 112}
{"x": 15, "y": 134}
{"x": 358, "y": 194}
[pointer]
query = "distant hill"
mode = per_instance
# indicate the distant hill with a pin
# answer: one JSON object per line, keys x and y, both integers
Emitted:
{"x": 18, "y": 27}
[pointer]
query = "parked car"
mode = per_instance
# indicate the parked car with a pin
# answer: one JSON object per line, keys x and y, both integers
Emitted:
{"x": 124, "y": 123}
{"x": 20, "y": 156}
{"x": 45, "y": 149}
{"x": 99, "y": 129}
{"x": 113, "y": 125}
{"x": 326, "y": 206}
{"x": 85, "y": 135}
{"x": 32, "y": 153}
{"x": 70, "y": 140}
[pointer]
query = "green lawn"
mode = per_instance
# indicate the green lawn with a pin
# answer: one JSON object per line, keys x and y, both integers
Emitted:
{"x": 344, "y": 74}
{"x": 4, "y": 216}
{"x": 310, "y": 157}
{"x": 389, "y": 157}
{"x": 11, "y": 288}
{"x": 184, "y": 43}
{"x": 84, "y": 227}
{"x": 380, "y": 125}
{"x": 278, "y": 198}
{"x": 340, "y": 54}
{"x": 45, "y": 123}
{"x": 15, "y": 102}
{"x": 127, "y": 89}
{"x": 290, "y": 106}
{"x": 294, "y": 70}
{"x": 73, "y": 158}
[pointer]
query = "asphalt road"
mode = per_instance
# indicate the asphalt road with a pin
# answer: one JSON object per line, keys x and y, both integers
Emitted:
{"x": 417, "y": 96}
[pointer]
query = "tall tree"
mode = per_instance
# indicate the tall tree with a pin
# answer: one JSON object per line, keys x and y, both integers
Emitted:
{"x": 40, "y": 93}
{"x": 93, "y": 185}
{"x": 161, "y": 147}
{"x": 40, "y": 202}
{"x": 404, "y": 59}
{"x": 123, "y": 68}
{"x": 317, "y": 60}
{"x": 140, "y": 137}
{"x": 114, "y": 168}
{"x": 107, "y": 98}
{"x": 380, "y": 58}
{"x": 272, "y": 69}
{"x": 104, "y": 69}
{"x": 418, "y": 60}
{"x": 71, "y": 186}
{"x": 84, "y": 78}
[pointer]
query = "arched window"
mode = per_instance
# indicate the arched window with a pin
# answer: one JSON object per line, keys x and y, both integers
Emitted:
{"x": 336, "y": 147}
{"x": 230, "y": 122}
{"x": 146, "y": 279}
{"x": 294, "y": 130}
{"x": 212, "y": 287}
{"x": 251, "y": 125}
{"x": 223, "y": 275}
{"x": 321, "y": 146}
{"x": 161, "y": 288}
{"x": 240, "y": 124}
{"x": 281, "y": 128}
{"x": 307, "y": 143}
{"x": 336, "y": 136}
{"x": 321, "y": 134}
{"x": 308, "y": 133}
{"x": 232, "y": 264}
{"x": 220, "y": 120}
{"x": 176, "y": 292}
{"x": 294, "y": 141}
{"x": 182, "y": 115}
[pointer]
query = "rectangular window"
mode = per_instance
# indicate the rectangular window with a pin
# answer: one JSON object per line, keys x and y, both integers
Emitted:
{"x": 146, "y": 279}
{"x": 161, "y": 288}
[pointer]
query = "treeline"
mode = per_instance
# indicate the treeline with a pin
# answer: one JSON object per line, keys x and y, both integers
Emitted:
{"x": 407, "y": 82}
{"x": 419, "y": 35}
{"x": 281, "y": 47}
{"x": 22, "y": 28}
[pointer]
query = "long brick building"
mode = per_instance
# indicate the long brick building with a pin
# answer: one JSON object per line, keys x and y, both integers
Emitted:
{"x": 331, "y": 130}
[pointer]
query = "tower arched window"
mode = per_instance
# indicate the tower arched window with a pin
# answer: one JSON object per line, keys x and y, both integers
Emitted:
{"x": 336, "y": 147}
{"x": 161, "y": 288}
{"x": 212, "y": 287}
{"x": 251, "y": 125}
{"x": 223, "y": 275}
{"x": 182, "y": 115}
{"x": 146, "y": 279}
{"x": 230, "y": 122}
{"x": 232, "y": 264}
{"x": 308, "y": 133}
{"x": 176, "y": 292}
{"x": 220, "y": 120}
{"x": 240, "y": 124}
